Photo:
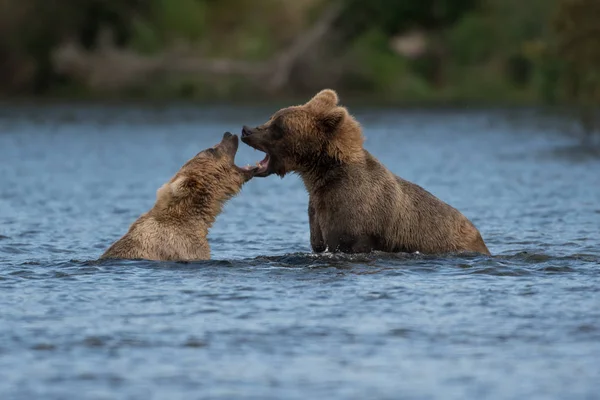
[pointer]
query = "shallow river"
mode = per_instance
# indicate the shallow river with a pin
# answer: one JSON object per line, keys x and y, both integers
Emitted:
{"x": 266, "y": 319}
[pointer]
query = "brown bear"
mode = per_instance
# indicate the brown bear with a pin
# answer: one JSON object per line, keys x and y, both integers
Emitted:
{"x": 176, "y": 227}
{"x": 355, "y": 203}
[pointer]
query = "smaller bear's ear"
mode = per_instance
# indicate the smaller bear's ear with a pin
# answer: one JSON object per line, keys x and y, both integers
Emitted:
{"x": 179, "y": 186}
{"x": 331, "y": 120}
{"x": 324, "y": 100}
{"x": 176, "y": 189}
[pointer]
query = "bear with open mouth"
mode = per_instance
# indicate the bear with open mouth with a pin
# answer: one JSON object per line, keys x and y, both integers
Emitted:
{"x": 356, "y": 205}
{"x": 176, "y": 228}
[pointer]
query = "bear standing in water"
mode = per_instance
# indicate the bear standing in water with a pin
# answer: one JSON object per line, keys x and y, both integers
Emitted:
{"x": 355, "y": 203}
{"x": 186, "y": 207}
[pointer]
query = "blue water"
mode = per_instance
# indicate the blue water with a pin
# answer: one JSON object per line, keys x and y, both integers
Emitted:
{"x": 266, "y": 319}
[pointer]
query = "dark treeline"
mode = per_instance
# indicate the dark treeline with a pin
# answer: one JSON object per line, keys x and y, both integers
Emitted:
{"x": 414, "y": 50}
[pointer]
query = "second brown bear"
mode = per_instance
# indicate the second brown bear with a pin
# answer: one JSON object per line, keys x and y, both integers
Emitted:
{"x": 355, "y": 203}
{"x": 176, "y": 228}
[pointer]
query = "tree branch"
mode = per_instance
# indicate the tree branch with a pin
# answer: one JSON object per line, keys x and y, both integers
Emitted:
{"x": 109, "y": 67}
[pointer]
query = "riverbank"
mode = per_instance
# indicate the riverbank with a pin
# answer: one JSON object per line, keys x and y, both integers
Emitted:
{"x": 471, "y": 52}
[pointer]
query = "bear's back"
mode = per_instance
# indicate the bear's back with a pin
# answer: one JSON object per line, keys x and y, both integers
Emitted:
{"x": 374, "y": 207}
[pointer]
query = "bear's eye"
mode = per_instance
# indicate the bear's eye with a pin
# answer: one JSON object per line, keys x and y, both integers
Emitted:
{"x": 212, "y": 151}
{"x": 277, "y": 129}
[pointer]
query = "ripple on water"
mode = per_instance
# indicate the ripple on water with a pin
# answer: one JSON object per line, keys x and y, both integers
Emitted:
{"x": 15, "y": 249}
{"x": 520, "y": 264}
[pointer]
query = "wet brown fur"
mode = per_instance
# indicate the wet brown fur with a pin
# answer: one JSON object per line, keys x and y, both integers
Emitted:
{"x": 176, "y": 228}
{"x": 355, "y": 203}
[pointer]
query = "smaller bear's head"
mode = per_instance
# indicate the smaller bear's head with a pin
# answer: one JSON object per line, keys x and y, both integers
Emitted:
{"x": 205, "y": 182}
{"x": 298, "y": 138}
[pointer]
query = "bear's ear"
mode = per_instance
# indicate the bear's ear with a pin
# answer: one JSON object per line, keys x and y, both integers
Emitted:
{"x": 324, "y": 100}
{"x": 180, "y": 186}
{"x": 176, "y": 189}
{"x": 331, "y": 120}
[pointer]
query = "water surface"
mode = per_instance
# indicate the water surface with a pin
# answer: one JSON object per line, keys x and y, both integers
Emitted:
{"x": 266, "y": 319}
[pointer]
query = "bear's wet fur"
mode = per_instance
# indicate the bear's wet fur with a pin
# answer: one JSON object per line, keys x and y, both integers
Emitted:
{"x": 176, "y": 228}
{"x": 355, "y": 203}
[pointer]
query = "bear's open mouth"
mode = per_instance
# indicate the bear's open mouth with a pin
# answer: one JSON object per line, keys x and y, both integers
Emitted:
{"x": 230, "y": 145}
{"x": 263, "y": 166}
{"x": 249, "y": 170}
{"x": 260, "y": 169}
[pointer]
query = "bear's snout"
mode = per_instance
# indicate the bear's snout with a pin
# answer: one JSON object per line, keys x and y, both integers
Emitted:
{"x": 246, "y": 131}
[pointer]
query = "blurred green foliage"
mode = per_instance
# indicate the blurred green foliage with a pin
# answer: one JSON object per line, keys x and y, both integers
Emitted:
{"x": 392, "y": 16}
{"x": 168, "y": 20}
{"x": 577, "y": 27}
{"x": 477, "y": 50}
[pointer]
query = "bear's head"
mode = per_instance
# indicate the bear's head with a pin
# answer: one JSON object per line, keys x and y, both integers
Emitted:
{"x": 205, "y": 182}
{"x": 299, "y": 138}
